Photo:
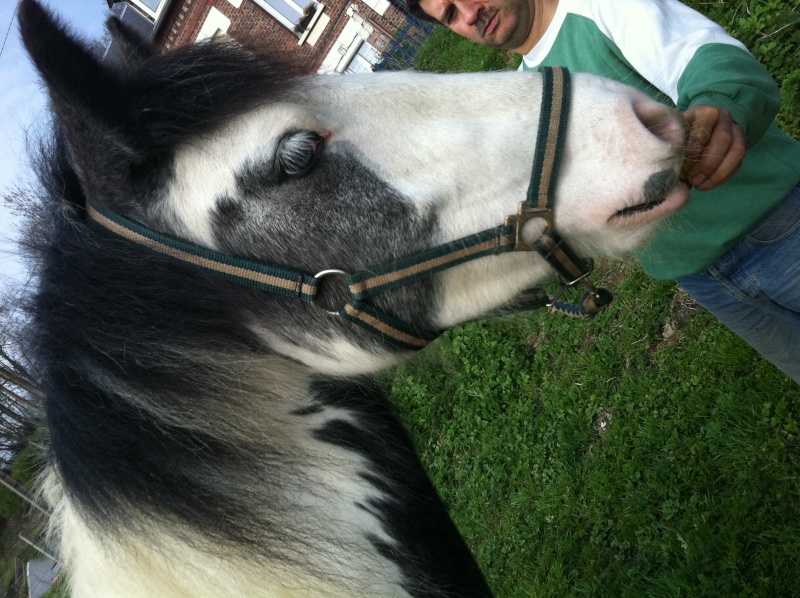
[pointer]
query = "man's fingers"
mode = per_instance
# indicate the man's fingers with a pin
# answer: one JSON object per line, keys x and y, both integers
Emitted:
{"x": 713, "y": 153}
{"x": 715, "y": 148}
{"x": 702, "y": 120}
{"x": 728, "y": 154}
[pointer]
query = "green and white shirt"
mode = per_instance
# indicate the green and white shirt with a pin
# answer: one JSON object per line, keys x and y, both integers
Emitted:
{"x": 678, "y": 57}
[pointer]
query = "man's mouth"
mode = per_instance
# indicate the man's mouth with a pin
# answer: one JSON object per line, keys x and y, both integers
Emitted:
{"x": 487, "y": 22}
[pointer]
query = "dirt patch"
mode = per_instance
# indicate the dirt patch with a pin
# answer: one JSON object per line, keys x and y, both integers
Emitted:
{"x": 611, "y": 273}
{"x": 683, "y": 310}
{"x": 600, "y": 425}
{"x": 534, "y": 342}
{"x": 603, "y": 420}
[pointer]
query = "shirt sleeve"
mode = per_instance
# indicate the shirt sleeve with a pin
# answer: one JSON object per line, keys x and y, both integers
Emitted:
{"x": 692, "y": 60}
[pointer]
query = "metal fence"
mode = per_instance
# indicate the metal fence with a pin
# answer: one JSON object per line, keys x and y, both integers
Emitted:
{"x": 400, "y": 50}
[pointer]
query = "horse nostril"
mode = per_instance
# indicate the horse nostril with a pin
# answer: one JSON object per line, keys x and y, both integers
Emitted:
{"x": 662, "y": 121}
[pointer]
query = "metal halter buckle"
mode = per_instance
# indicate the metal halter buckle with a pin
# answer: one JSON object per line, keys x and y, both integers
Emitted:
{"x": 524, "y": 214}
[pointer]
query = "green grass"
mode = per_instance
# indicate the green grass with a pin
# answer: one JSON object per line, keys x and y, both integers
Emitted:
{"x": 649, "y": 452}
{"x": 444, "y": 51}
{"x": 24, "y": 470}
{"x": 599, "y": 458}
{"x": 57, "y": 590}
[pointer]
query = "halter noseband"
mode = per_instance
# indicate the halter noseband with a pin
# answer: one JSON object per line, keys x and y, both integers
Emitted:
{"x": 367, "y": 283}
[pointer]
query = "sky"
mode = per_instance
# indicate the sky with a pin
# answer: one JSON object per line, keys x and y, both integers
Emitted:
{"x": 22, "y": 103}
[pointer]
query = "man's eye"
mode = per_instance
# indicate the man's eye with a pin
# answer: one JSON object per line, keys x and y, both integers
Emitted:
{"x": 449, "y": 15}
{"x": 298, "y": 153}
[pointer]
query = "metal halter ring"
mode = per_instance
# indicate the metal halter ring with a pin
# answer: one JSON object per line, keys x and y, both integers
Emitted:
{"x": 583, "y": 279}
{"x": 321, "y": 275}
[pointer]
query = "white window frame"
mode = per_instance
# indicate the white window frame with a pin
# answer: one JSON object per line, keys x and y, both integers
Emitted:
{"x": 356, "y": 31}
{"x": 315, "y": 27}
{"x": 147, "y": 11}
{"x": 280, "y": 18}
{"x": 216, "y": 23}
{"x": 357, "y": 56}
{"x": 379, "y": 6}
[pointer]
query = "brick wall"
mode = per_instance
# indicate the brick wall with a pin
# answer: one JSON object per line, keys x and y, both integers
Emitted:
{"x": 186, "y": 17}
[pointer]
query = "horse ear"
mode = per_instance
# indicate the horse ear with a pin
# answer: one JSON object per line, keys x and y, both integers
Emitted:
{"x": 132, "y": 49}
{"x": 87, "y": 98}
{"x": 72, "y": 74}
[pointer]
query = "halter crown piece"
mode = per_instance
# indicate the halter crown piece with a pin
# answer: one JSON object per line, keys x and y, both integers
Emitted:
{"x": 372, "y": 281}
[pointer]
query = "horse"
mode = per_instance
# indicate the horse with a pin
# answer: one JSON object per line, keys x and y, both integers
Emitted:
{"x": 217, "y": 434}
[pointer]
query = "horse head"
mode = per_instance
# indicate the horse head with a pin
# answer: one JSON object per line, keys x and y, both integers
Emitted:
{"x": 216, "y": 146}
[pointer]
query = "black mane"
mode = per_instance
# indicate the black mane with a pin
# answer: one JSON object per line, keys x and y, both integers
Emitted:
{"x": 107, "y": 386}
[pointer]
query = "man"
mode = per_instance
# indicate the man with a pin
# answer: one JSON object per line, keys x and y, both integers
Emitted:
{"x": 735, "y": 247}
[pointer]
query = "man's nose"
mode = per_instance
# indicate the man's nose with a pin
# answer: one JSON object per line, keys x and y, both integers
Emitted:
{"x": 470, "y": 10}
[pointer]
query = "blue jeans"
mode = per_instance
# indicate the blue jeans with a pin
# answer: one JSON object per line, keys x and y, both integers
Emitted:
{"x": 754, "y": 289}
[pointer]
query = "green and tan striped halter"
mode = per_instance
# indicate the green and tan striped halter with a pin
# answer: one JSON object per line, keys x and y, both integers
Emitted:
{"x": 369, "y": 282}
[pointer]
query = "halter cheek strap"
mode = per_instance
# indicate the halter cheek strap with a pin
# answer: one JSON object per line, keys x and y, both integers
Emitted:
{"x": 551, "y": 135}
{"x": 365, "y": 284}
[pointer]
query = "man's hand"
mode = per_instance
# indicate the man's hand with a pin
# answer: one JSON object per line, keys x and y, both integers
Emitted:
{"x": 716, "y": 147}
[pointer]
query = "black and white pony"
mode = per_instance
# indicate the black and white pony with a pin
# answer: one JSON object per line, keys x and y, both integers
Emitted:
{"x": 211, "y": 439}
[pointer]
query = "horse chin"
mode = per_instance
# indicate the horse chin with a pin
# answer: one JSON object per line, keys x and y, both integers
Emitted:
{"x": 651, "y": 211}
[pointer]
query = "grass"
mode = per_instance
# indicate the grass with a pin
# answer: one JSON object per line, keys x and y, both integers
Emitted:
{"x": 57, "y": 590}
{"x": 444, "y": 51}
{"x": 649, "y": 452}
{"x": 16, "y": 516}
{"x": 599, "y": 458}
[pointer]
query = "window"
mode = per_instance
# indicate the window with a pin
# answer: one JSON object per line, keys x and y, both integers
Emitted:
{"x": 364, "y": 60}
{"x": 351, "y": 51}
{"x": 151, "y": 9}
{"x": 288, "y": 12}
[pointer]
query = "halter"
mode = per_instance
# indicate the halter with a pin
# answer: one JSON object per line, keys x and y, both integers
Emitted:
{"x": 369, "y": 282}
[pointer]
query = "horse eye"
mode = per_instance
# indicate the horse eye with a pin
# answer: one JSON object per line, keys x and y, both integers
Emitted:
{"x": 298, "y": 153}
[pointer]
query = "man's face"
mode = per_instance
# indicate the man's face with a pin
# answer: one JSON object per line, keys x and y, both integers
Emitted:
{"x": 495, "y": 23}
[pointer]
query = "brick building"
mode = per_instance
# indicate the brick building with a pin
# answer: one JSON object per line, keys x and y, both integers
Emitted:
{"x": 329, "y": 36}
